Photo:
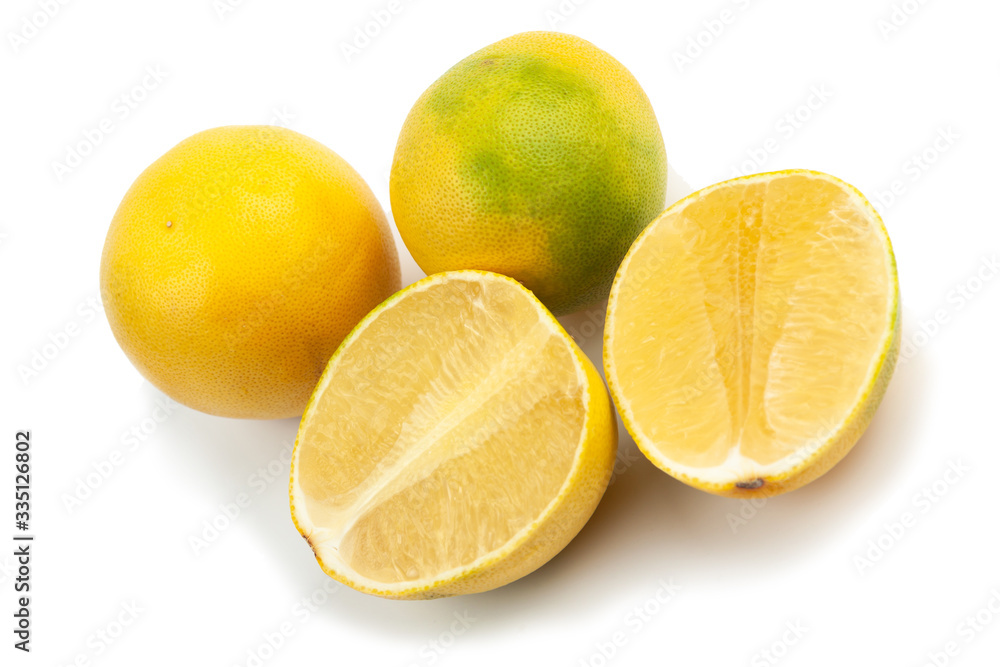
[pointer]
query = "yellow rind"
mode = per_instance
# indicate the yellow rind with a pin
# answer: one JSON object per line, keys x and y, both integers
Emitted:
{"x": 237, "y": 262}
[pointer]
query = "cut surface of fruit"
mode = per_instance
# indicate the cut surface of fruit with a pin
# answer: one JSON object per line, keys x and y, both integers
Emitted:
{"x": 752, "y": 329}
{"x": 457, "y": 440}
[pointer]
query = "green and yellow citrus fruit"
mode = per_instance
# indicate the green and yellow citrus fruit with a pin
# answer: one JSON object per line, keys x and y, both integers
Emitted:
{"x": 752, "y": 330}
{"x": 538, "y": 157}
{"x": 236, "y": 264}
{"x": 457, "y": 441}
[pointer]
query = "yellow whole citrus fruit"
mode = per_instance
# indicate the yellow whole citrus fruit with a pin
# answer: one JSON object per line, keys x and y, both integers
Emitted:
{"x": 236, "y": 264}
{"x": 538, "y": 157}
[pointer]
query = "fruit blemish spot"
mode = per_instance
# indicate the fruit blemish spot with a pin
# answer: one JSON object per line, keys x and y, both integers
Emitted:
{"x": 752, "y": 484}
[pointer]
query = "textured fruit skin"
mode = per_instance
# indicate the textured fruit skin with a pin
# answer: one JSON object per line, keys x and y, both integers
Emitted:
{"x": 840, "y": 443}
{"x": 538, "y": 157}
{"x": 563, "y": 519}
{"x": 237, "y": 262}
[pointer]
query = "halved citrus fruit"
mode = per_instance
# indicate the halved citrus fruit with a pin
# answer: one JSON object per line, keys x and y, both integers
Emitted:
{"x": 752, "y": 329}
{"x": 457, "y": 440}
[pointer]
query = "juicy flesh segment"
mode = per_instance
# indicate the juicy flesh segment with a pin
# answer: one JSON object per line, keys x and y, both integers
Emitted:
{"x": 447, "y": 426}
{"x": 748, "y": 322}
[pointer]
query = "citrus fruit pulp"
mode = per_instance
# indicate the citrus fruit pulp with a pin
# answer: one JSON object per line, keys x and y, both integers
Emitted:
{"x": 752, "y": 329}
{"x": 457, "y": 440}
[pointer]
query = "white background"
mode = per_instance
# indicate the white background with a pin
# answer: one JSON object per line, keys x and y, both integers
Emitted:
{"x": 745, "y": 573}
